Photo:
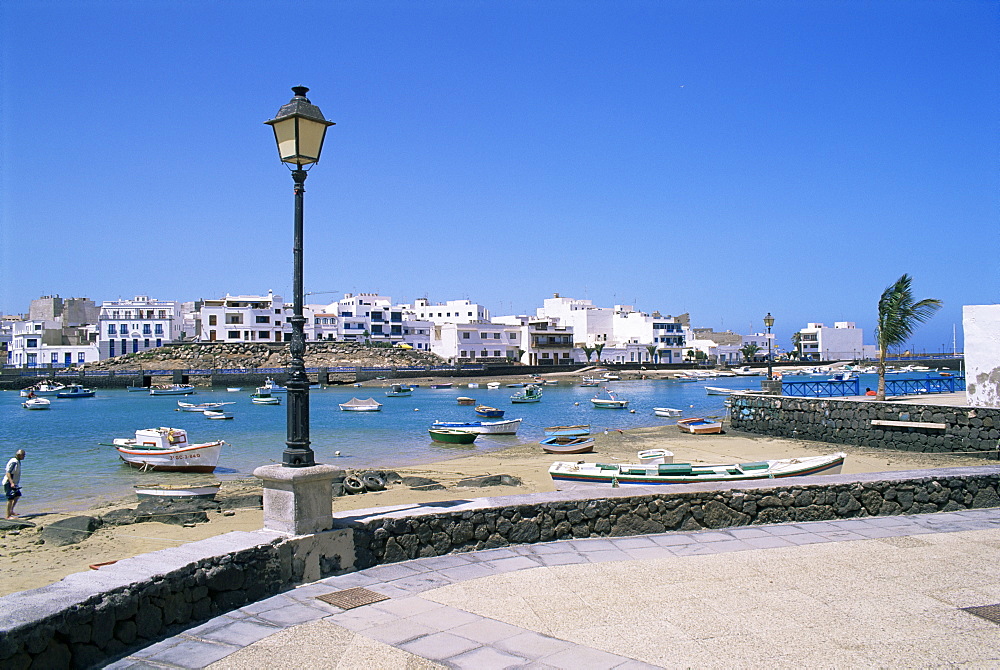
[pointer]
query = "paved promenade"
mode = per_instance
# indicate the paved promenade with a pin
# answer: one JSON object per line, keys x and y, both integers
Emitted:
{"x": 871, "y": 592}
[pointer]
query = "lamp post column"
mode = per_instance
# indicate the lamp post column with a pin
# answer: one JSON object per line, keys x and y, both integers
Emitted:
{"x": 297, "y": 453}
{"x": 769, "y": 375}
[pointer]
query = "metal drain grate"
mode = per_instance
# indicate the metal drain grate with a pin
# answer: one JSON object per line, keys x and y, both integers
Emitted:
{"x": 904, "y": 542}
{"x": 989, "y": 612}
{"x": 351, "y": 598}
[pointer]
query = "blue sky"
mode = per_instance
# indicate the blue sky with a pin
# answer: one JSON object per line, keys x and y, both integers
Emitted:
{"x": 726, "y": 159}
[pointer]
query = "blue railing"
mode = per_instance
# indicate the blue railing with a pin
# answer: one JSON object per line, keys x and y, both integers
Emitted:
{"x": 819, "y": 389}
{"x": 930, "y": 385}
{"x": 893, "y": 387}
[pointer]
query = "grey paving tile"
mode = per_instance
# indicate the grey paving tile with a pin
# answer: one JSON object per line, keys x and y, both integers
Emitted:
{"x": 849, "y": 524}
{"x": 647, "y": 553}
{"x": 493, "y": 554}
{"x": 486, "y": 658}
{"x": 446, "y": 618}
{"x": 840, "y": 535}
{"x": 565, "y": 558}
{"x": 891, "y": 522}
{"x": 514, "y": 563}
{"x": 769, "y": 542}
{"x": 272, "y": 603}
{"x": 442, "y": 562}
{"x": 439, "y": 646}
{"x": 878, "y": 532}
{"x": 132, "y": 664}
{"x": 671, "y": 539}
{"x": 425, "y": 581}
{"x": 406, "y": 607}
{"x": 633, "y": 543}
{"x": 783, "y": 530}
{"x": 532, "y": 645}
{"x": 309, "y": 591}
{"x": 597, "y": 544}
{"x": 487, "y": 631}
{"x": 578, "y": 656}
{"x": 194, "y": 653}
{"x": 547, "y": 548}
{"x": 160, "y": 646}
{"x": 292, "y": 615}
{"x": 387, "y": 573}
{"x": 389, "y": 589}
{"x": 210, "y": 625}
{"x": 691, "y": 550}
{"x": 743, "y": 533}
{"x": 727, "y": 546}
{"x": 241, "y": 633}
{"x": 349, "y": 581}
{"x": 805, "y": 538}
{"x": 636, "y": 665}
{"x": 470, "y": 571}
{"x": 398, "y": 632}
{"x": 711, "y": 536}
{"x": 607, "y": 556}
{"x": 363, "y": 618}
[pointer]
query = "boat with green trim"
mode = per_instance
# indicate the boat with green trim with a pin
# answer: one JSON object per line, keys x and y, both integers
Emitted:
{"x": 452, "y": 436}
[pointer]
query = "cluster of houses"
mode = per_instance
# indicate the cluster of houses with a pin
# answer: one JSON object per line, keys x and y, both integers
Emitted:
{"x": 75, "y": 331}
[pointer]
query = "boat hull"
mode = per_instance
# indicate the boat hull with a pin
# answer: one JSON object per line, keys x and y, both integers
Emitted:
{"x": 601, "y": 403}
{"x": 698, "y": 426}
{"x": 482, "y": 427}
{"x": 195, "y": 458}
{"x": 160, "y": 491}
{"x": 666, "y": 411}
{"x": 176, "y": 390}
{"x": 568, "y": 445}
{"x": 489, "y": 412}
{"x": 36, "y": 403}
{"x": 453, "y": 436}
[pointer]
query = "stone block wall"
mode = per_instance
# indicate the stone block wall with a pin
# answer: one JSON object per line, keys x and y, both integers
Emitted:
{"x": 968, "y": 430}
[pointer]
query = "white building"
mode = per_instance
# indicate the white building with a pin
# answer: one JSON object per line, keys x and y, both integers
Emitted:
{"x": 243, "y": 318}
{"x": 981, "y": 323}
{"x": 452, "y": 311}
{"x": 842, "y": 342}
{"x": 367, "y": 317}
{"x": 131, "y": 326}
{"x": 542, "y": 341}
{"x": 762, "y": 341}
{"x": 476, "y": 342}
{"x": 47, "y": 343}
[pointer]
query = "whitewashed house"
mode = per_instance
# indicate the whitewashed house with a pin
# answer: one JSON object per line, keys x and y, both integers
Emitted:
{"x": 243, "y": 318}
{"x": 47, "y": 343}
{"x": 845, "y": 341}
{"x": 138, "y": 324}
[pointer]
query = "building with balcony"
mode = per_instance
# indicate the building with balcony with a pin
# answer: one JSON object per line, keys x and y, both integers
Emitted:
{"x": 243, "y": 318}
{"x": 47, "y": 343}
{"x": 842, "y": 342}
{"x": 452, "y": 311}
{"x": 138, "y": 324}
{"x": 475, "y": 342}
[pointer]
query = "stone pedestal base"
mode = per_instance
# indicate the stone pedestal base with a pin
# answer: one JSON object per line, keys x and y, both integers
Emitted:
{"x": 770, "y": 386}
{"x": 298, "y": 501}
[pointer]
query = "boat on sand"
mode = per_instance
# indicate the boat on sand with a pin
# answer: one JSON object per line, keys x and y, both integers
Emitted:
{"x": 559, "y": 444}
{"x": 168, "y": 450}
{"x": 699, "y": 426}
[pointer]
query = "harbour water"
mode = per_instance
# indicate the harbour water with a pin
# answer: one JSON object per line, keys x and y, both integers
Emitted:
{"x": 67, "y": 467}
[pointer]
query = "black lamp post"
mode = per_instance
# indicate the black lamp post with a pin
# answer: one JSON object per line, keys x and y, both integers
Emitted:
{"x": 299, "y": 129}
{"x": 769, "y": 321}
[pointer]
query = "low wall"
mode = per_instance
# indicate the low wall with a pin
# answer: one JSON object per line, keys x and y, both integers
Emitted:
{"x": 845, "y": 421}
{"x": 90, "y": 618}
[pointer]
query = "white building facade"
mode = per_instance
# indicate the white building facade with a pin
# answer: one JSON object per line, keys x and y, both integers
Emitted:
{"x": 845, "y": 341}
{"x": 131, "y": 326}
{"x": 42, "y": 343}
{"x": 243, "y": 318}
{"x": 476, "y": 342}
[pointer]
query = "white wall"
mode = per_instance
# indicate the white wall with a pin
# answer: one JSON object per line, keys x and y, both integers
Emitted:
{"x": 981, "y": 324}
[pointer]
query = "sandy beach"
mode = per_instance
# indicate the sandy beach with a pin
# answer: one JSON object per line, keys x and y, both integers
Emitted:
{"x": 30, "y": 563}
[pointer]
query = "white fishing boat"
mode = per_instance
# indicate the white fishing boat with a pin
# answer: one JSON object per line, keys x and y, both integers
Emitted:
{"x": 42, "y": 389}
{"x": 272, "y": 387}
{"x": 198, "y": 491}
{"x": 507, "y": 427}
{"x": 611, "y": 402}
{"x": 36, "y": 403}
{"x": 398, "y": 391}
{"x": 718, "y": 390}
{"x": 200, "y": 407}
{"x": 358, "y": 405}
{"x": 168, "y": 450}
{"x": 571, "y": 475}
{"x": 217, "y": 414}
{"x": 171, "y": 389}
{"x": 747, "y": 371}
{"x": 75, "y": 391}
{"x": 493, "y": 385}
{"x": 137, "y": 389}
{"x": 531, "y": 393}
{"x": 262, "y": 397}
{"x": 234, "y": 389}
{"x": 666, "y": 411}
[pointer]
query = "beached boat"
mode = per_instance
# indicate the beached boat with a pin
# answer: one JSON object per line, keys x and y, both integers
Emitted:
{"x": 611, "y": 402}
{"x": 189, "y": 491}
{"x": 718, "y": 390}
{"x": 488, "y": 412}
{"x": 171, "y": 389}
{"x": 167, "y": 450}
{"x": 699, "y": 426}
{"x": 398, "y": 391}
{"x": 462, "y": 400}
{"x": 273, "y": 387}
{"x": 451, "y": 436}
{"x": 666, "y": 411}
{"x": 358, "y": 405}
{"x": 75, "y": 391}
{"x": 262, "y": 397}
{"x": 442, "y": 386}
{"x": 42, "y": 389}
{"x": 560, "y": 444}
{"x": 568, "y": 431}
{"x": 217, "y": 414}
{"x": 36, "y": 403}
{"x": 531, "y": 393}
{"x": 507, "y": 427}
{"x": 567, "y": 474}
{"x": 200, "y": 407}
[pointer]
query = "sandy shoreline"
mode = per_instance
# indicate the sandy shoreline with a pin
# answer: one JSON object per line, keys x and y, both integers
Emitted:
{"x": 29, "y": 563}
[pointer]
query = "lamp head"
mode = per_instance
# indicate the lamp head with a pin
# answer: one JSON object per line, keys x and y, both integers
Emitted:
{"x": 299, "y": 129}
{"x": 768, "y": 320}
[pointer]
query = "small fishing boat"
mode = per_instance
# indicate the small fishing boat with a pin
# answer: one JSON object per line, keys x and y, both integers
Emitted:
{"x": 137, "y": 389}
{"x": 200, "y": 407}
{"x": 462, "y": 400}
{"x": 234, "y": 389}
{"x": 566, "y": 474}
{"x": 507, "y": 427}
{"x": 451, "y": 436}
{"x": 611, "y": 402}
{"x": 398, "y": 391}
{"x": 655, "y": 456}
{"x": 442, "y": 386}
{"x": 561, "y": 444}
{"x": 171, "y": 389}
{"x": 489, "y": 412}
{"x": 698, "y": 426}
{"x": 42, "y": 389}
{"x": 217, "y": 414}
{"x": 493, "y": 385}
{"x": 611, "y": 377}
{"x": 358, "y": 405}
{"x": 666, "y": 411}
{"x": 272, "y": 387}
{"x": 75, "y": 391}
{"x": 167, "y": 450}
{"x": 262, "y": 397}
{"x": 516, "y": 385}
{"x": 189, "y": 491}
{"x": 718, "y": 390}
{"x": 36, "y": 403}
{"x": 531, "y": 393}
{"x": 568, "y": 431}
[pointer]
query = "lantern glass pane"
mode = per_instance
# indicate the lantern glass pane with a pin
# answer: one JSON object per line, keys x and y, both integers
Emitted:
{"x": 310, "y": 140}
{"x": 284, "y": 135}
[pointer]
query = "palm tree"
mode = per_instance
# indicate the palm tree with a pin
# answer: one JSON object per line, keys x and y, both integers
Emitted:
{"x": 749, "y": 350}
{"x": 651, "y": 348}
{"x": 587, "y": 350}
{"x": 599, "y": 347}
{"x": 898, "y": 317}
{"x": 797, "y": 344}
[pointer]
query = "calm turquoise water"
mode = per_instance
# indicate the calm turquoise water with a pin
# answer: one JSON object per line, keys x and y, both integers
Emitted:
{"x": 67, "y": 468}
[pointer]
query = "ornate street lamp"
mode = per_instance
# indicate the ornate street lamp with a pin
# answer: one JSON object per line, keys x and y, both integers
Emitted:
{"x": 299, "y": 130}
{"x": 769, "y": 321}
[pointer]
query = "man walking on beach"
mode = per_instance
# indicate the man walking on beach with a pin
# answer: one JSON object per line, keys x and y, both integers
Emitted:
{"x": 11, "y": 477}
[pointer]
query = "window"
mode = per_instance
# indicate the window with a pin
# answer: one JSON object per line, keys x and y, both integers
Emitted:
{"x": 461, "y": 353}
{"x": 111, "y": 348}
{"x": 159, "y": 342}
{"x": 81, "y": 358}
{"x": 264, "y": 335}
{"x": 465, "y": 336}
{"x": 145, "y": 344}
{"x": 146, "y": 330}
{"x": 31, "y": 343}
{"x": 496, "y": 354}
{"x": 233, "y": 334}
{"x": 483, "y": 353}
{"x": 376, "y": 329}
{"x": 123, "y": 329}
{"x": 54, "y": 357}
{"x": 158, "y": 329}
{"x": 263, "y": 319}
{"x": 277, "y": 311}
{"x": 496, "y": 336}
{"x": 213, "y": 320}
{"x": 112, "y": 330}
{"x": 162, "y": 314}
{"x": 135, "y": 346}
{"x": 513, "y": 336}
{"x": 484, "y": 336}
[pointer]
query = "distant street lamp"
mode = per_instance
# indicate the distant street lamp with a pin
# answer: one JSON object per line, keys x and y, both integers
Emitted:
{"x": 299, "y": 130}
{"x": 769, "y": 321}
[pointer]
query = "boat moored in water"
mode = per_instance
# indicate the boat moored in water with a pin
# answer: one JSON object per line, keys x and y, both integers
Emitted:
{"x": 358, "y": 405}
{"x": 398, "y": 391}
{"x": 452, "y": 436}
{"x": 217, "y": 414}
{"x": 666, "y": 411}
{"x": 200, "y": 407}
{"x": 611, "y": 402}
{"x": 507, "y": 427}
{"x": 488, "y": 412}
{"x": 531, "y": 393}
{"x": 36, "y": 403}
{"x": 262, "y": 397}
{"x": 75, "y": 391}
{"x": 42, "y": 389}
{"x": 171, "y": 389}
